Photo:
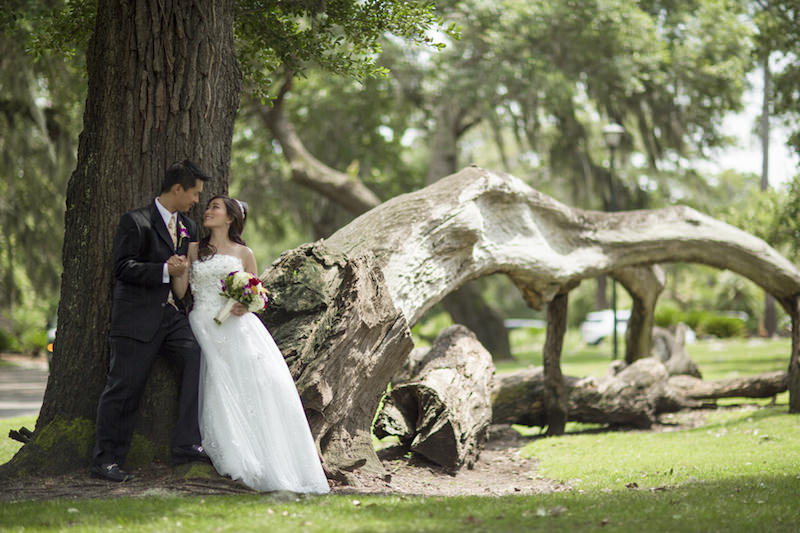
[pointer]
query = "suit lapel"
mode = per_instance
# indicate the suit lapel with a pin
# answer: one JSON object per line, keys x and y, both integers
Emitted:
{"x": 158, "y": 223}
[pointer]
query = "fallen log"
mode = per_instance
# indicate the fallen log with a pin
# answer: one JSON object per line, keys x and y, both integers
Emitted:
{"x": 760, "y": 386}
{"x": 342, "y": 308}
{"x": 443, "y": 410}
{"x": 632, "y": 395}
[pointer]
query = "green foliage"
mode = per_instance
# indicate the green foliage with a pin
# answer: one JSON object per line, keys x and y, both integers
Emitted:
{"x": 668, "y": 73}
{"x": 8, "y": 342}
{"x": 760, "y": 213}
{"x": 667, "y": 315}
{"x": 701, "y": 321}
{"x": 341, "y": 36}
{"x": 778, "y": 39}
{"x": 723, "y": 326}
{"x": 788, "y": 218}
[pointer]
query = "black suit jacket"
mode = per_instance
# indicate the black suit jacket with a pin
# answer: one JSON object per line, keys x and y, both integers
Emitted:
{"x": 141, "y": 247}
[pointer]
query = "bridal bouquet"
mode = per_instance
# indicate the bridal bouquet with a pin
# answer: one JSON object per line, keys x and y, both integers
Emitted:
{"x": 244, "y": 288}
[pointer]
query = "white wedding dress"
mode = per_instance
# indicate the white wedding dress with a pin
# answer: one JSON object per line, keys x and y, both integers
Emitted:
{"x": 251, "y": 419}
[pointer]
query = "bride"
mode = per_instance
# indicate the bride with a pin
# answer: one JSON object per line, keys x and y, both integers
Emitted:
{"x": 251, "y": 420}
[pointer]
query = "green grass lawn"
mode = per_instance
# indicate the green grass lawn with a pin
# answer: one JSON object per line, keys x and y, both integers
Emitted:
{"x": 738, "y": 472}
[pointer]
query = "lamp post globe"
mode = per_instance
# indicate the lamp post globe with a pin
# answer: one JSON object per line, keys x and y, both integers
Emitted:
{"x": 612, "y": 134}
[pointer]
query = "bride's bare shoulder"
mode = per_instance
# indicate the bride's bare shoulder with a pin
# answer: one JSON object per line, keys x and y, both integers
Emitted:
{"x": 247, "y": 256}
{"x": 243, "y": 252}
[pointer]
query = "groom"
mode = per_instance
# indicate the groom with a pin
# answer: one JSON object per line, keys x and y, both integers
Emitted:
{"x": 150, "y": 246}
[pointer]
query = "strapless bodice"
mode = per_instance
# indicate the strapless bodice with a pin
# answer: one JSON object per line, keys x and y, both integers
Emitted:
{"x": 205, "y": 279}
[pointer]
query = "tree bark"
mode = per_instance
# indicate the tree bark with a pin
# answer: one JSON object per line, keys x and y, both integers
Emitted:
{"x": 164, "y": 85}
{"x": 555, "y": 390}
{"x": 443, "y": 410}
{"x": 644, "y": 284}
{"x": 794, "y": 360}
{"x": 760, "y": 386}
{"x": 343, "y": 339}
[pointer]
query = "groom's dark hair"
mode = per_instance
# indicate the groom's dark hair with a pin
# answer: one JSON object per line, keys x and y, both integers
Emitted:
{"x": 184, "y": 173}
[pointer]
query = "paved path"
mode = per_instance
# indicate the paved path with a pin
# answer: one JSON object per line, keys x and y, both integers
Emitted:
{"x": 21, "y": 388}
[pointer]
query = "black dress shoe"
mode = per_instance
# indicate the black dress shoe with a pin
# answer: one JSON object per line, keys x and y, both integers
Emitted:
{"x": 187, "y": 454}
{"x": 110, "y": 472}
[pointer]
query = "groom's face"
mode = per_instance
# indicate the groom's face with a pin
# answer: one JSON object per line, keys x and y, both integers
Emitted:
{"x": 186, "y": 198}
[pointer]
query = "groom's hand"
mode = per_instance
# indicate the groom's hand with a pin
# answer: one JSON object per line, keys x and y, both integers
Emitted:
{"x": 177, "y": 265}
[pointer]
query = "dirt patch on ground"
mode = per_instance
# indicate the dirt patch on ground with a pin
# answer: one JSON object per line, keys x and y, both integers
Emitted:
{"x": 500, "y": 470}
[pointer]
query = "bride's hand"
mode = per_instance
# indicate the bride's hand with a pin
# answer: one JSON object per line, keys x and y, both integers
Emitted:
{"x": 238, "y": 309}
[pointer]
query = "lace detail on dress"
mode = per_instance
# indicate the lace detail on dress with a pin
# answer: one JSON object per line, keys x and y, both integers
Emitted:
{"x": 205, "y": 277}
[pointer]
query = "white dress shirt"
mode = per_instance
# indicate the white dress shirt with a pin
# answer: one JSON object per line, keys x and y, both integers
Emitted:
{"x": 166, "y": 215}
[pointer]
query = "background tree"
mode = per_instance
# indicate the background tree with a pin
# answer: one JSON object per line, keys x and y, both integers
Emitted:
{"x": 40, "y": 105}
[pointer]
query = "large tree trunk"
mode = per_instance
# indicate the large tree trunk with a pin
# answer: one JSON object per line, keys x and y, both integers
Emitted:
{"x": 479, "y": 222}
{"x": 164, "y": 85}
{"x": 343, "y": 339}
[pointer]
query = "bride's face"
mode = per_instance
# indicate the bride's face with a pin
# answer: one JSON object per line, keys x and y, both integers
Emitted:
{"x": 216, "y": 215}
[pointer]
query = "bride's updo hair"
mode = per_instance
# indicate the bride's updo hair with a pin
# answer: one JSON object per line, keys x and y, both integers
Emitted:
{"x": 238, "y": 212}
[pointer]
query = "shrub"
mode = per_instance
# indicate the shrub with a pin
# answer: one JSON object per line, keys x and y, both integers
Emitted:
{"x": 724, "y": 326}
{"x": 34, "y": 340}
{"x": 667, "y": 316}
{"x": 8, "y": 343}
{"x": 696, "y": 318}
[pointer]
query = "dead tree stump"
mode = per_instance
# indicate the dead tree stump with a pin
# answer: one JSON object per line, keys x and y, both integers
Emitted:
{"x": 670, "y": 349}
{"x": 443, "y": 410}
{"x": 343, "y": 340}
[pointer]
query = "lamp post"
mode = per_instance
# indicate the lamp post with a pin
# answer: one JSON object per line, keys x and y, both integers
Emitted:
{"x": 612, "y": 134}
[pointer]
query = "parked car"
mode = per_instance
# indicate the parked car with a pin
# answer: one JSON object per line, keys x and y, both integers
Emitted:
{"x": 600, "y": 324}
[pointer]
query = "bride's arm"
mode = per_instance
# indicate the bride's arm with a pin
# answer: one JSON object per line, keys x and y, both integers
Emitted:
{"x": 180, "y": 284}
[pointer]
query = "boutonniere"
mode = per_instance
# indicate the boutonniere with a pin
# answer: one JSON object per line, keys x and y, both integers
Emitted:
{"x": 183, "y": 233}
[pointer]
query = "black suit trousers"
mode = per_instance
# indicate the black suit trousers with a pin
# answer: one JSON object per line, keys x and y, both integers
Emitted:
{"x": 129, "y": 367}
